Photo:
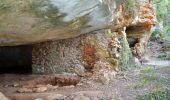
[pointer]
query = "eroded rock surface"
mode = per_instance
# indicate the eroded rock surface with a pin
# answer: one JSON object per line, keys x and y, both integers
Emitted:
{"x": 139, "y": 32}
{"x": 26, "y": 22}
{"x": 131, "y": 29}
{"x": 123, "y": 25}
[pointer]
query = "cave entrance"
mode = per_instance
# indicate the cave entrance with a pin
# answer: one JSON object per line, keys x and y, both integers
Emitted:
{"x": 133, "y": 35}
{"x": 16, "y": 60}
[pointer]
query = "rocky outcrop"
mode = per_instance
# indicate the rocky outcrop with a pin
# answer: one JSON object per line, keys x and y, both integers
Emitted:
{"x": 139, "y": 32}
{"x": 71, "y": 55}
{"x": 82, "y": 54}
{"x": 123, "y": 25}
{"x": 27, "y": 22}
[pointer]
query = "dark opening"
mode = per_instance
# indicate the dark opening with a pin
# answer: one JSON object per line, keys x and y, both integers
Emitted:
{"x": 132, "y": 35}
{"x": 16, "y": 60}
{"x": 133, "y": 42}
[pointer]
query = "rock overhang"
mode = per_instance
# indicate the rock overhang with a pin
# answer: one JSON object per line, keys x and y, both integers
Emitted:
{"x": 27, "y": 22}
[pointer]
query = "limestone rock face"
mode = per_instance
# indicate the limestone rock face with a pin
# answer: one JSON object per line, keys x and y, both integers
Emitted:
{"x": 71, "y": 55}
{"x": 82, "y": 54}
{"x": 130, "y": 29}
{"x": 123, "y": 25}
{"x": 139, "y": 32}
{"x": 30, "y": 21}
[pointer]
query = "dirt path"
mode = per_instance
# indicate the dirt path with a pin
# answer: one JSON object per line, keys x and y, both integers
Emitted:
{"x": 128, "y": 85}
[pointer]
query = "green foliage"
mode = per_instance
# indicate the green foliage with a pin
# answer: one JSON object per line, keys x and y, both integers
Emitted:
{"x": 162, "y": 7}
{"x": 165, "y": 56}
{"x": 126, "y": 58}
{"x": 150, "y": 76}
{"x": 140, "y": 84}
{"x": 131, "y": 4}
{"x": 163, "y": 15}
{"x": 161, "y": 94}
{"x": 4, "y": 6}
{"x": 157, "y": 34}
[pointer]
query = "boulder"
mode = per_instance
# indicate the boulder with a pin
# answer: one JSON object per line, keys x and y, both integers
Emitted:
{"x": 31, "y": 21}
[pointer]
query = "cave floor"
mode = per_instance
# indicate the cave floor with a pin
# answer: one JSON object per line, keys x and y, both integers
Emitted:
{"x": 128, "y": 85}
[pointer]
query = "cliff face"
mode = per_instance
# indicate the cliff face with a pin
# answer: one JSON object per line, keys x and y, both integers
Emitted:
{"x": 109, "y": 49}
{"x": 124, "y": 25}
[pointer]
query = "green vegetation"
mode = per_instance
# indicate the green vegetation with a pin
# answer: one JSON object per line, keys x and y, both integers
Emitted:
{"x": 163, "y": 16}
{"x": 161, "y": 94}
{"x": 130, "y": 5}
{"x": 126, "y": 58}
{"x": 165, "y": 56}
{"x": 150, "y": 76}
{"x": 3, "y": 6}
{"x": 157, "y": 34}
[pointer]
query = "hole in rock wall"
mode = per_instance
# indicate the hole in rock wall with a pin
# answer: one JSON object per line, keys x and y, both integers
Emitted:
{"x": 132, "y": 35}
{"x": 16, "y": 60}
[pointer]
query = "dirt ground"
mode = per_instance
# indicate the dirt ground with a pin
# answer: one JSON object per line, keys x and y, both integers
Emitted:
{"x": 153, "y": 74}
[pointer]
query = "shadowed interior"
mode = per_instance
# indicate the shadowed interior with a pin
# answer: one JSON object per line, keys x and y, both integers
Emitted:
{"x": 16, "y": 59}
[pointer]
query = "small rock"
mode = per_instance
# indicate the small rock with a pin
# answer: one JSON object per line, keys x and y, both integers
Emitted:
{"x": 81, "y": 97}
{"x": 79, "y": 84}
{"x": 51, "y": 88}
{"x": 71, "y": 86}
{"x": 24, "y": 90}
{"x": 136, "y": 60}
{"x": 15, "y": 84}
{"x": 39, "y": 85}
{"x": 55, "y": 97}
{"x": 3, "y": 97}
{"x": 79, "y": 70}
{"x": 107, "y": 76}
{"x": 105, "y": 79}
{"x": 40, "y": 89}
{"x": 112, "y": 75}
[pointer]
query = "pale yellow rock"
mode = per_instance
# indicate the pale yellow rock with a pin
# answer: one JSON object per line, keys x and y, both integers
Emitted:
{"x": 24, "y": 90}
{"x": 40, "y": 89}
{"x": 55, "y": 97}
{"x": 3, "y": 97}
